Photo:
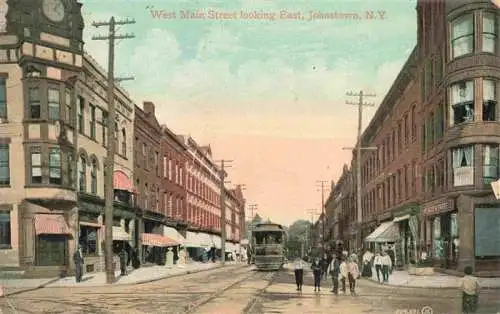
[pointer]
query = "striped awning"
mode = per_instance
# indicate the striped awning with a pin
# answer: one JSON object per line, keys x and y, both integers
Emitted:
{"x": 119, "y": 234}
{"x": 122, "y": 182}
{"x": 151, "y": 239}
{"x": 51, "y": 224}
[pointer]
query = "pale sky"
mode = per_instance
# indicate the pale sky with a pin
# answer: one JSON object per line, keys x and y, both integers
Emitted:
{"x": 268, "y": 94}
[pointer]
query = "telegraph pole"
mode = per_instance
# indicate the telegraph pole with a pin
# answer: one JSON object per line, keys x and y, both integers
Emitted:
{"x": 312, "y": 212}
{"x": 109, "y": 193}
{"x": 322, "y": 183}
{"x": 359, "y": 147}
{"x": 223, "y": 209}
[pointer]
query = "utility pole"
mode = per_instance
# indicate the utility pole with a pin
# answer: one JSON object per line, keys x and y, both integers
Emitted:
{"x": 360, "y": 104}
{"x": 223, "y": 209}
{"x": 312, "y": 212}
{"x": 109, "y": 193}
{"x": 322, "y": 183}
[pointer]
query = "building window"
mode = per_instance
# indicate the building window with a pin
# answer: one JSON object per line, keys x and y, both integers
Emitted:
{"x": 81, "y": 110}
{"x": 88, "y": 240}
{"x": 5, "y": 239}
{"x": 3, "y": 99}
{"x": 413, "y": 124}
{"x": 490, "y": 32}
{"x": 146, "y": 196}
{"x": 92, "y": 121}
{"x": 490, "y": 163}
{"x": 54, "y": 104}
{"x": 157, "y": 163}
{"x": 104, "y": 127}
{"x": 406, "y": 128}
{"x": 70, "y": 169}
{"x": 489, "y": 100}
{"x": 439, "y": 122}
{"x": 438, "y": 68}
{"x": 93, "y": 177}
{"x": 430, "y": 128}
{"x": 432, "y": 180}
{"x": 36, "y": 167}
{"x": 462, "y": 102}
{"x": 164, "y": 166}
{"x": 124, "y": 143}
{"x": 180, "y": 176}
{"x": 116, "y": 137}
{"x": 55, "y": 166}
{"x": 463, "y": 165}
{"x": 423, "y": 143}
{"x": 462, "y": 35}
{"x": 170, "y": 169}
{"x": 4, "y": 164}
{"x": 67, "y": 101}
{"x": 34, "y": 103}
{"x": 82, "y": 174}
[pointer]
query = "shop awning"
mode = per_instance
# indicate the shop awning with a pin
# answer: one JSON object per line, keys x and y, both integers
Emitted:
{"x": 119, "y": 234}
{"x": 229, "y": 247}
{"x": 401, "y": 218}
{"x": 205, "y": 239}
{"x": 122, "y": 182}
{"x": 215, "y": 241}
{"x": 386, "y": 232}
{"x": 193, "y": 239}
{"x": 173, "y": 234}
{"x": 151, "y": 239}
{"x": 51, "y": 224}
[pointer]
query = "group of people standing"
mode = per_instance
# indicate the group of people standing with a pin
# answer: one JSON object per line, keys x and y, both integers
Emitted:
{"x": 382, "y": 262}
{"x": 342, "y": 269}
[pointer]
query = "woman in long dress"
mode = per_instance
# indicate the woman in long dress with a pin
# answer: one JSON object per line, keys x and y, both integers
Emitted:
{"x": 299, "y": 273}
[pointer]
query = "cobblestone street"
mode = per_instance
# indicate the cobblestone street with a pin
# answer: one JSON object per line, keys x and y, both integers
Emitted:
{"x": 240, "y": 289}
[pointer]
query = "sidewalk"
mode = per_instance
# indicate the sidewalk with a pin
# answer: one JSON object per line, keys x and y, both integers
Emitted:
{"x": 137, "y": 276}
{"x": 438, "y": 280}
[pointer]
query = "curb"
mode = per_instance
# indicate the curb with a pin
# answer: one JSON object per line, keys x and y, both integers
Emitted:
{"x": 428, "y": 287}
{"x": 140, "y": 282}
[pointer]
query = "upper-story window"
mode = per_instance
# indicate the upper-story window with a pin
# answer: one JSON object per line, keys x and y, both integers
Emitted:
{"x": 81, "y": 110}
{"x": 55, "y": 166}
{"x": 69, "y": 167}
{"x": 3, "y": 99}
{"x": 489, "y": 100}
{"x": 93, "y": 177}
{"x": 490, "y": 32}
{"x": 104, "y": 127}
{"x": 463, "y": 165}
{"x": 34, "y": 103}
{"x": 462, "y": 102}
{"x": 67, "y": 102}
{"x": 490, "y": 163}
{"x": 4, "y": 164}
{"x": 116, "y": 137}
{"x": 82, "y": 174}
{"x": 164, "y": 166}
{"x": 462, "y": 35}
{"x": 124, "y": 142}
{"x": 54, "y": 104}
{"x": 36, "y": 166}
{"x": 92, "y": 121}
{"x": 170, "y": 169}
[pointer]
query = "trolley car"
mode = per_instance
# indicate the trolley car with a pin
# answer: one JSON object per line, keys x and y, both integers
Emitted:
{"x": 268, "y": 243}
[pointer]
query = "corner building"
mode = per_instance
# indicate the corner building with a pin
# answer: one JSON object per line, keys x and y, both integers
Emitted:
{"x": 427, "y": 187}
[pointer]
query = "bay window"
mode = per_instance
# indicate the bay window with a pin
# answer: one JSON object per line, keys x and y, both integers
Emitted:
{"x": 54, "y": 104}
{"x": 36, "y": 167}
{"x": 34, "y": 103}
{"x": 490, "y": 32}
{"x": 489, "y": 100}
{"x": 463, "y": 165}
{"x": 490, "y": 163}
{"x": 67, "y": 101}
{"x": 55, "y": 166}
{"x": 462, "y": 35}
{"x": 462, "y": 102}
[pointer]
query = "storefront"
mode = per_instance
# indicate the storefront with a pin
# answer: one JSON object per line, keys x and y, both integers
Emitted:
{"x": 441, "y": 237}
{"x": 387, "y": 233}
{"x": 197, "y": 244}
{"x": 407, "y": 246}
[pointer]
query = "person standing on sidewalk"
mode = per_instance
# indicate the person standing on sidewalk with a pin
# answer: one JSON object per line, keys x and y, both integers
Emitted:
{"x": 123, "y": 261}
{"x": 317, "y": 269}
{"x": 299, "y": 273}
{"x": 334, "y": 271}
{"x": 386, "y": 266}
{"x": 353, "y": 274}
{"x": 343, "y": 272}
{"x": 470, "y": 291}
{"x": 78, "y": 260}
{"x": 377, "y": 261}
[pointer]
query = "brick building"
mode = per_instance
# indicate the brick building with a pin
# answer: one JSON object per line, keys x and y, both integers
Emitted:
{"x": 426, "y": 188}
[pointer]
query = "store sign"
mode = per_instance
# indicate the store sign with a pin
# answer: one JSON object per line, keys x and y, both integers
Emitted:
{"x": 438, "y": 207}
{"x": 463, "y": 176}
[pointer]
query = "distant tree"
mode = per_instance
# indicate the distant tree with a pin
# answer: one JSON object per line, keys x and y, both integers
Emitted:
{"x": 298, "y": 234}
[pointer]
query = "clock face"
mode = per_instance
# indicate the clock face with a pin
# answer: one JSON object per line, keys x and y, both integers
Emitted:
{"x": 54, "y": 10}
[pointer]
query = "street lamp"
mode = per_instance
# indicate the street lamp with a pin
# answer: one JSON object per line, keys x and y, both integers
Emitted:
{"x": 358, "y": 182}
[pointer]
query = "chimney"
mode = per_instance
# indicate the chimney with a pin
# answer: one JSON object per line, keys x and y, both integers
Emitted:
{"x": 148, "y": 107}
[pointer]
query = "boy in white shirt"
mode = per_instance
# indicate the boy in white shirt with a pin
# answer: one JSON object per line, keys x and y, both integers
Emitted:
{"x": 470, "y": 291}
{"x": 377, "y": 261}
{"x": 352, "y": 274}
{"x": 343, "y": 273}
{"x": 386, "y": 266}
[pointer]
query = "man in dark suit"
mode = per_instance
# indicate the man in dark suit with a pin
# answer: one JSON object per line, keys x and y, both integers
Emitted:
{"x": 78, "y": 260}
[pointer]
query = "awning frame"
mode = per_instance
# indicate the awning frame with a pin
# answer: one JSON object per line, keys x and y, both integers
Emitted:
{"x": 386, "y": 232}
{"x": 51, "y": 224}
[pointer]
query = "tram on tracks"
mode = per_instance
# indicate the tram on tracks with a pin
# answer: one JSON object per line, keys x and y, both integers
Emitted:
{"x": 268, "y": 246}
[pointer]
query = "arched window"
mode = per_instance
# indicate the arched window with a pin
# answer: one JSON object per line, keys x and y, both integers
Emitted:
{"x": 146, "y": 196}
{"x": 93, "y": 175}
{"x": 124, "y": 142}
{"x": 82, "y": 174}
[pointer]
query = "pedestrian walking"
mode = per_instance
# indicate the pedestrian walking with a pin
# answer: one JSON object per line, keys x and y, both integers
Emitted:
{"x": 470, "y": 291}
{"x": 316, "y": 268}
{"x": 78, "y": 260}
{"x": 367, "y": 264}
{"x": 386, "y": 266}
{"x": 352, "y": 274}
{"x": 299, "y": 273}
{"x": 123, "y": 261}
{"x": 334, "y": 271}
{"x": 343, "y": 273}
{"x": 377, "y": 261}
